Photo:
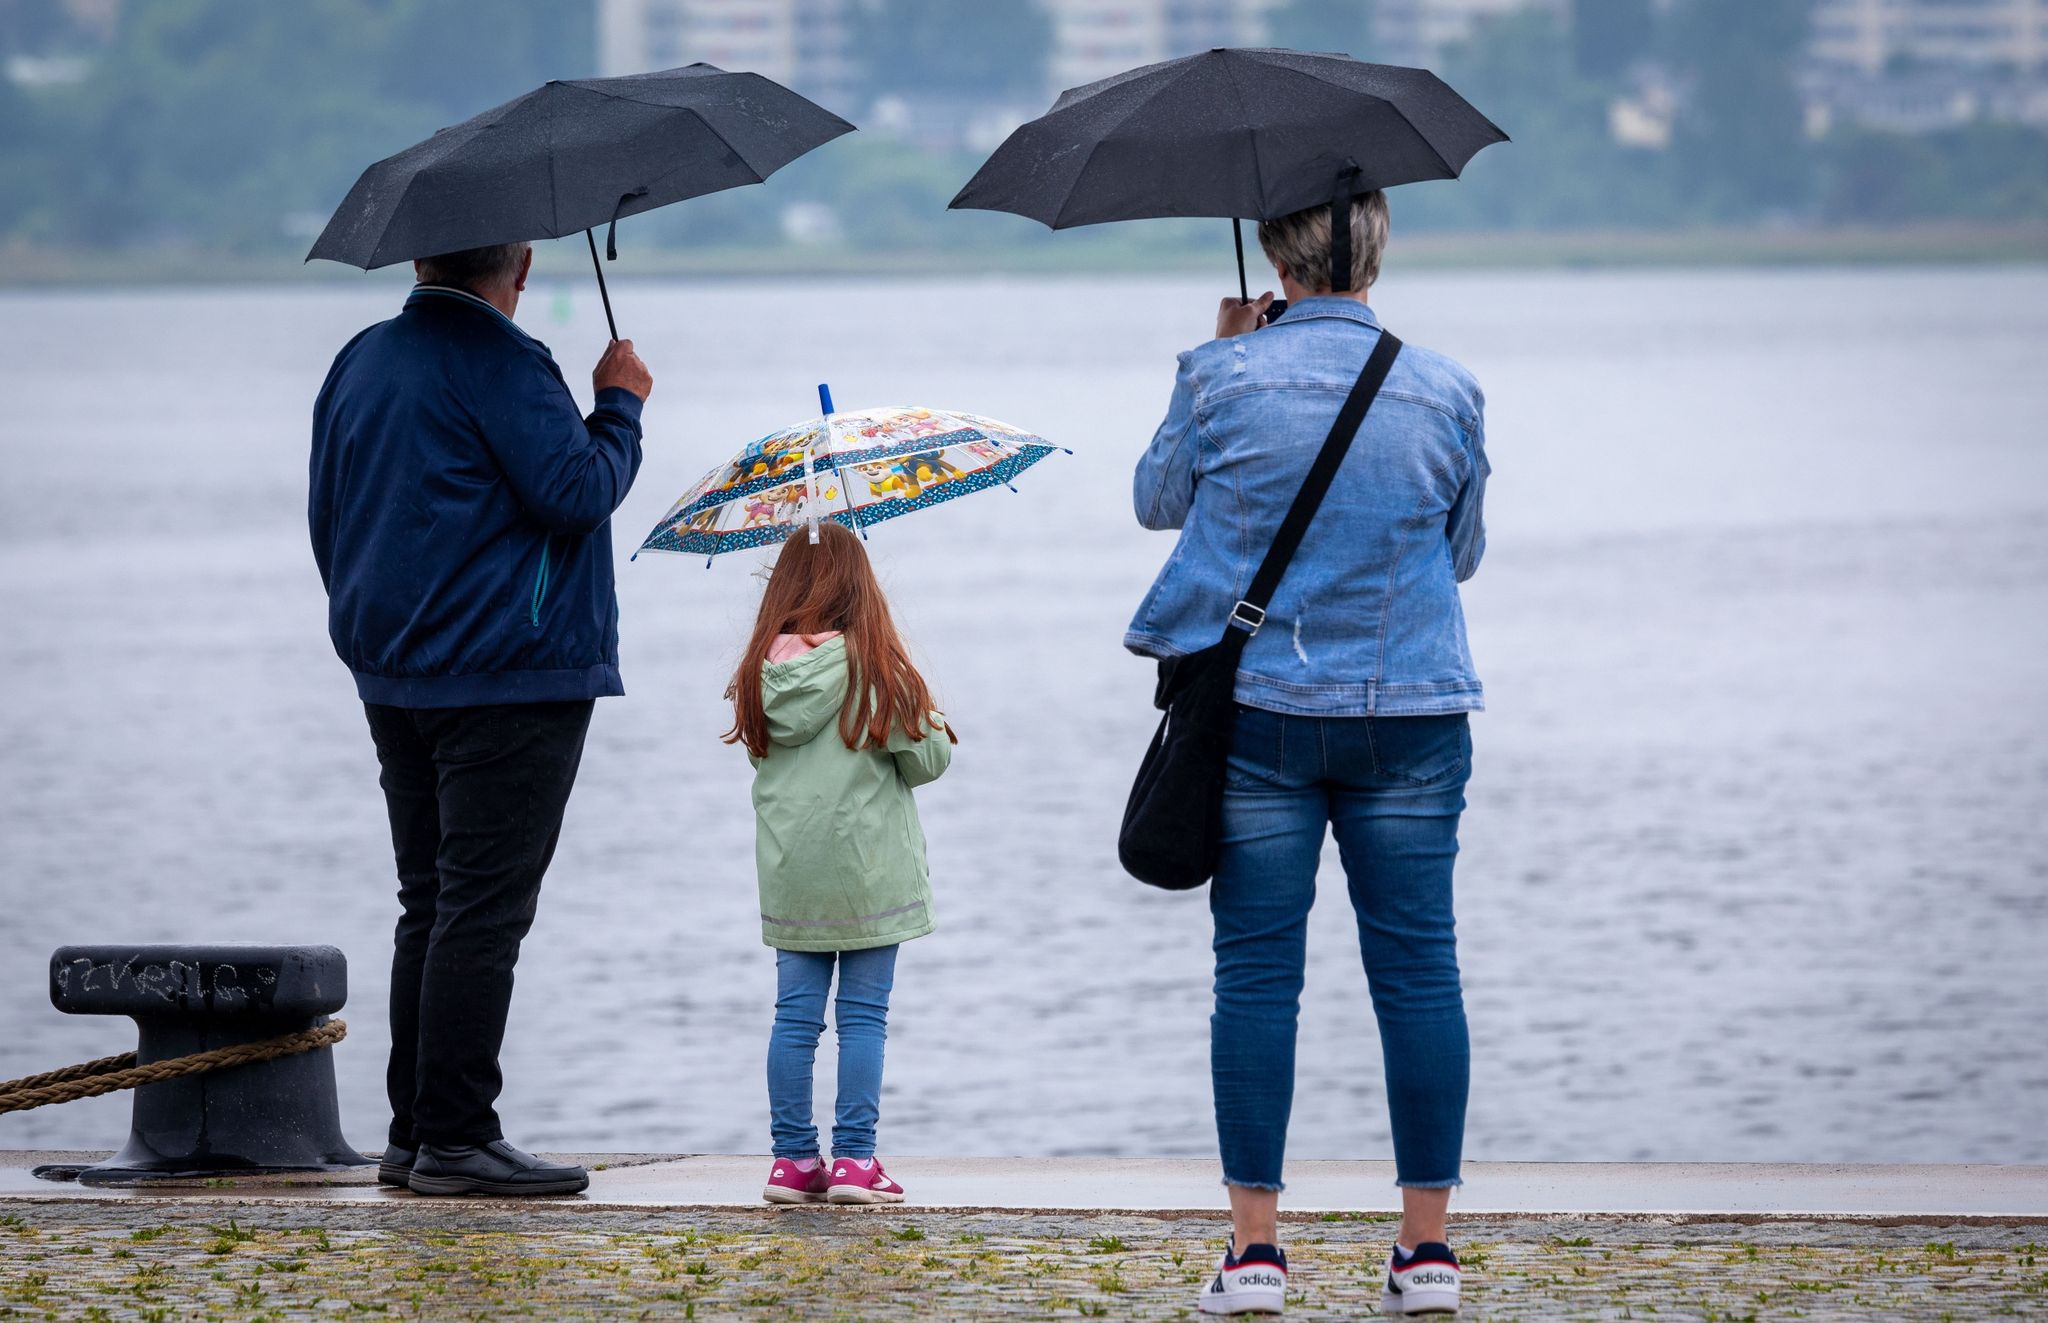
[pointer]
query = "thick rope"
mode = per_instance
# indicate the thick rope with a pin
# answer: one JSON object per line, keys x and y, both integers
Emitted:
{"x": 89, "y": 1079}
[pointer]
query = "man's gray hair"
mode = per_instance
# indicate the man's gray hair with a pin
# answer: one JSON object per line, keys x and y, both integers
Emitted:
{"x": 473, "y": 267}
{"x": 1301, "y": 241}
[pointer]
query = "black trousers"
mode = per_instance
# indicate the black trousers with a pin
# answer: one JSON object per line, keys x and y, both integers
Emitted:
{"x": 476, "y": 796}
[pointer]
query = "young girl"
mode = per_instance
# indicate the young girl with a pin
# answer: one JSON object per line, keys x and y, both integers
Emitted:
{"x": 840, "y": 727}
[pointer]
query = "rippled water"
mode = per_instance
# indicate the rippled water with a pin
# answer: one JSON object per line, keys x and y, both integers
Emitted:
{"x": 1755, "y": 867}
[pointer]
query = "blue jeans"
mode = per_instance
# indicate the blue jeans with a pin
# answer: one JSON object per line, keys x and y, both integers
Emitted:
{"x": 861, "y": 1016}
{"x": 1393, "y": 787}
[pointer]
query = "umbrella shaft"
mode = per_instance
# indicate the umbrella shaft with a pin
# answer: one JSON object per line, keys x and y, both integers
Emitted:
{"x": 602, "y": 292}
{"x": 1244, "y": 293}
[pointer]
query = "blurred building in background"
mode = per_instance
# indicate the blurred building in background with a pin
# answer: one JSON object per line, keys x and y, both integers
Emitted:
{"x": 1096, "y": 38}
{"x": 48, "y": 44}
{"x": 805, "y": 44}
{"x": 1874, "y": 35}
{"x": 815, "y": 46}
{"x": 1900, "y": 65}
{"x": 1415, "y": 32}
{"x": 1916, "y": 66}
{"x": 809, "y": 45}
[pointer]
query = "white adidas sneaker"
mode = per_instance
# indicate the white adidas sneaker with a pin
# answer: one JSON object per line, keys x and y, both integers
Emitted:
{"x": 1254, "y": 1282}
{"x": 1425, "y": 1282}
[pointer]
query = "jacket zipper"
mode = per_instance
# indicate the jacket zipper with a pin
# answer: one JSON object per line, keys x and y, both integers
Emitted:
{"x": 540, "y": 582}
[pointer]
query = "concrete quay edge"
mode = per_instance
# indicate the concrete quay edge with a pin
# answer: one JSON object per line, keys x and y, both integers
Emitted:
{"x": 1188, "y": 1186}
{"x": 1331, "y": 1190}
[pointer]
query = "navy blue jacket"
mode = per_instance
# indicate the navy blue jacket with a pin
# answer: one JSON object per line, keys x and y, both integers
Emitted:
{"x": 460, "y": 509}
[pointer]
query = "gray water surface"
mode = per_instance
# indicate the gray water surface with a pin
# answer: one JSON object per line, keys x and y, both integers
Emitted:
{"x": 1756, "y": 864}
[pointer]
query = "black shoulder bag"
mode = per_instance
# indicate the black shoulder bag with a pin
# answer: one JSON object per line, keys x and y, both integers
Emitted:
{"x": 1173, "y": 824}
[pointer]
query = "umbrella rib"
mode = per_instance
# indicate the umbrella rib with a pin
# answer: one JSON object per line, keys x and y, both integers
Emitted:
{"x": 419, "y": 171}
{"x": 752, "y": 169}
{"x": 467, "y": 129}
{"x": 404, "y": 191}
{"x": 1424, "y": 137}
{"x": 555, "y": 188}
{"x": 378, "y": 250}
{"x": 692, "y": 111}
{"x": 662, "y": 105}
{"x": 474, "y": 128}
{"x": 458, "y": 136}
{"x": 1251, "y": 135}
{"x": 1103, "y": 136}
{"x": 1392, "y": 104}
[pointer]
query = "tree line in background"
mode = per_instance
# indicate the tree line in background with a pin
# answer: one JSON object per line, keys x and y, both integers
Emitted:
{"x": 236, "y": 125}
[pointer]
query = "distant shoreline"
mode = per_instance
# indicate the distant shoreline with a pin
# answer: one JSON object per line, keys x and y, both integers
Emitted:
{"x": 1931, "y": 244}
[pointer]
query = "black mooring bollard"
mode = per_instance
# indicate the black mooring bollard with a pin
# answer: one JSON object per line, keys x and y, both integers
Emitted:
{"x": 269, "y": 1116}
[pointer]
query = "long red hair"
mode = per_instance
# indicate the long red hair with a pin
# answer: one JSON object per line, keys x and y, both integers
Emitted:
{"x": 814, "y": 589}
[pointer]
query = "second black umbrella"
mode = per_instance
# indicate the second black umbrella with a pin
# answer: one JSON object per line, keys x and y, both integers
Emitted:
{"x": 1230, "y": 133}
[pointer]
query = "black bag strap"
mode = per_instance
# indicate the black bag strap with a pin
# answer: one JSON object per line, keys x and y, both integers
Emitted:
{"x": 1250, "y": 611}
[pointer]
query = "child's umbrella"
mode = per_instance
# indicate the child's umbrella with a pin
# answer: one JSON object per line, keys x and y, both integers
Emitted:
{"x": 857, "y": 468}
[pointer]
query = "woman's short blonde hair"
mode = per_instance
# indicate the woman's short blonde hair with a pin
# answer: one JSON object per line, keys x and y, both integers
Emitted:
{"x": 1301, "y": 241}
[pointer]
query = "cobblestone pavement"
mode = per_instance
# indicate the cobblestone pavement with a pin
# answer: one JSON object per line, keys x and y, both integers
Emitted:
{"x": 454, "y": 1260}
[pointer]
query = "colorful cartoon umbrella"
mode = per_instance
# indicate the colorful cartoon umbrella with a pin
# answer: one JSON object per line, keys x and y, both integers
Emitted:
{"x": 856, "y": 468}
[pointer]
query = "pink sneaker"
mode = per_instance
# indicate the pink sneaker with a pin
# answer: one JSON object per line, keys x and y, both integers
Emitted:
{"x": 862, "y": 1181}
{"x": 793, "y": 1182}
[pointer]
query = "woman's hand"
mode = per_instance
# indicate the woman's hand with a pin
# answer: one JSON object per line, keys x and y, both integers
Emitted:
{"x": 1235, "y": 316}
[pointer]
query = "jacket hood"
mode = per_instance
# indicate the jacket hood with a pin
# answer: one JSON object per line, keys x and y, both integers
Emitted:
{"x": 803, "y": 695}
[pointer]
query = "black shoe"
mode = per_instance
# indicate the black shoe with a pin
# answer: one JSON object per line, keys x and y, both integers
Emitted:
{"x": 493, "y": 1168}
{"x": 395, "y": 1167}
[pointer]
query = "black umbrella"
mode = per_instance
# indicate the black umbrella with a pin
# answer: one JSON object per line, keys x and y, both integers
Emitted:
{"x": 570, "y": 156}
{"x": 1233, "y": 133}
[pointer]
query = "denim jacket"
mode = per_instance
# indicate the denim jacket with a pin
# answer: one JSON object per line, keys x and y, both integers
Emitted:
{"x": 1366, "y": 621}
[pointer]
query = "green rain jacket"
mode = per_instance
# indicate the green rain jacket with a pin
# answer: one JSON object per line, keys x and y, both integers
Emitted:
{"x": 837, "y": 841}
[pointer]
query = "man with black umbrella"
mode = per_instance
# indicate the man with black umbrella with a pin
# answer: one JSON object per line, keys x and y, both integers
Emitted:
{"x": 460, "y": 509}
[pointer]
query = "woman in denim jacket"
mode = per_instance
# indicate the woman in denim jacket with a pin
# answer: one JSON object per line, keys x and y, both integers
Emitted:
{"x": 1352, "y": 699}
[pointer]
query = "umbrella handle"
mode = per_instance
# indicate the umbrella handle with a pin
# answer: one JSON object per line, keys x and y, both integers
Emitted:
{"x": 602, "y": 292}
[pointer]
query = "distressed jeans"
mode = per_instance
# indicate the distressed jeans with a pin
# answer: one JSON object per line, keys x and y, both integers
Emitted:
{"x": 1393, "y": 788}
{"x": 861, "y": 1018}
